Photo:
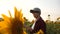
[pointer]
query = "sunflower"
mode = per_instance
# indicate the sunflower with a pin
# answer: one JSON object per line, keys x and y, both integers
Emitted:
{"x": 12, "y": 25}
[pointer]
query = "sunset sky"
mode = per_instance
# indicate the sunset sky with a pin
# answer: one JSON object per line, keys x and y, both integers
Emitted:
{"x": 51, "y": 7}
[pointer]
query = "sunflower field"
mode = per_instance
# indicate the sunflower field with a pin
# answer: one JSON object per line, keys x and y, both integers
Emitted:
{"x": 15, "y": 25}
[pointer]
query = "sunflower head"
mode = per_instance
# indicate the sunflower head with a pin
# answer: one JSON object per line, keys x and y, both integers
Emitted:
{"x": 16, "y": 23}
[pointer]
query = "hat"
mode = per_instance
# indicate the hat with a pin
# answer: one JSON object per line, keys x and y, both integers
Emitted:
{"x": 35, "y": 10}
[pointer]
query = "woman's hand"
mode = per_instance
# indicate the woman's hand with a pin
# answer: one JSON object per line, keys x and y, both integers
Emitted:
{"x": 28, "y": 28}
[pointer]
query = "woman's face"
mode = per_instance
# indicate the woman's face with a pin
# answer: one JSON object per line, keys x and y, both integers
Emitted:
{"x": 35, "y": 15}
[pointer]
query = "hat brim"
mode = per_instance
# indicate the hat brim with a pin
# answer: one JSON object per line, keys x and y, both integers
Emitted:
{"x": 32, "y": 11}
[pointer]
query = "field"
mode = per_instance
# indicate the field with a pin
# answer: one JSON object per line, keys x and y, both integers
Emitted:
{"x": 16, "y": 25}
{"x": 53, "y": 28}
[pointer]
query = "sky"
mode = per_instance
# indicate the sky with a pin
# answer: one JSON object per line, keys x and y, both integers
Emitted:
{"x": 47, "y": 7}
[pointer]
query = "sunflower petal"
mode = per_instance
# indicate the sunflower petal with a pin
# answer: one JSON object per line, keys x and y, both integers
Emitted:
{"x": 7, "y": 19}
